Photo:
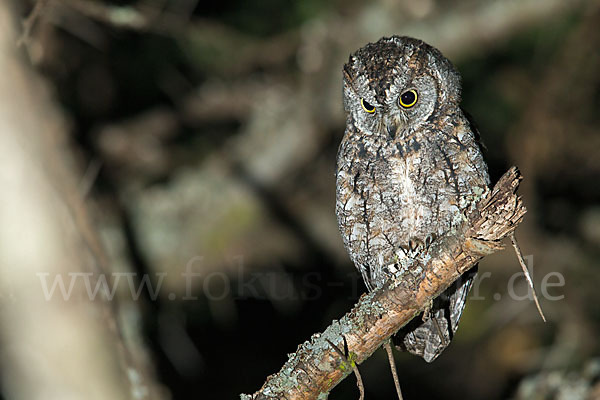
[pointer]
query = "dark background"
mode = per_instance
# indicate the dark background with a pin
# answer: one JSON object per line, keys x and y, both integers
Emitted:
{"x": 209, "y": 130}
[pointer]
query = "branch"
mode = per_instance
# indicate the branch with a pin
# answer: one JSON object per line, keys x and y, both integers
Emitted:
{"x": 315, "y": 368}
{"x": 30, "y": 21}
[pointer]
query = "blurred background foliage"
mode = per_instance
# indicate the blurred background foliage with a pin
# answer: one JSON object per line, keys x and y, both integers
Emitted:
{"x": 208, "y": 133}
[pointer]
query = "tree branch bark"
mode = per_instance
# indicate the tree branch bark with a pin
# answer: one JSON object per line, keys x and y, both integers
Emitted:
{"x": 315, "y": 368}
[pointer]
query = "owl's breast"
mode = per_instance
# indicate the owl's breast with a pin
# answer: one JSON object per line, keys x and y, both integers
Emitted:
{"x": 393, "y": 195}
{"x": 424, "y": 201}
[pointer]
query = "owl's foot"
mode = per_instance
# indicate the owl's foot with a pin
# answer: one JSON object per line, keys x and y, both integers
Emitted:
{"x": 416, "y": 245}
{"x": 413, "y": 248}
{"x": 410, "y": 252}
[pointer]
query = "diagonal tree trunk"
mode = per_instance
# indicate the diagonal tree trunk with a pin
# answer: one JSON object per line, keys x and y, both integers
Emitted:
{"x": 61, "y": 345}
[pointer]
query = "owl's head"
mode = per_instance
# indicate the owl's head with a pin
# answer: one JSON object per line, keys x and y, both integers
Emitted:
{"x": 394, "y": 86}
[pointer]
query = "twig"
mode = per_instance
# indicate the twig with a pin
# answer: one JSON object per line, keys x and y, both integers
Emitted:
{"x": 30, "y": 21}
{"x": 89, "y": 177}
{"x": 513, "y": 240}
{"x": 124, "y": 17}
{"x": 359, "y": 382}
{"x": 314, "y": 369}
{"x": 388, "y": 349}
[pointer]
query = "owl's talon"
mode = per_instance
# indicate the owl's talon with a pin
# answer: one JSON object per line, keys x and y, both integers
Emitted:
{"x": 415, "y": 247}
{"x": 429, "y": 239}
{"x": 413, "y": 244}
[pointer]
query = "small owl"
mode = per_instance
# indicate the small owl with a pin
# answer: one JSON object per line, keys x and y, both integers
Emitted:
{"x": 407, "y": 168}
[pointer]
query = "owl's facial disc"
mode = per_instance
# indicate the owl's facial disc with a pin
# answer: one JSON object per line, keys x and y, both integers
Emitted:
{"x": 395, "y": 86}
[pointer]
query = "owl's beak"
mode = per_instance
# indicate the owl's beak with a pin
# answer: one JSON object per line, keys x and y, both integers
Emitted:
{"x": 394, "y": 125}
{"x": 391, "y": 130}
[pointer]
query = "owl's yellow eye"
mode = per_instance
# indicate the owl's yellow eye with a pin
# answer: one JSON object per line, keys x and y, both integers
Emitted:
{"x": 408, "y": 98}
{"x": 367, "y": 107}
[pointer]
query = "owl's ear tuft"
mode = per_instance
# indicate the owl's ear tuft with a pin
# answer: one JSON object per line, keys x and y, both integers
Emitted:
{"x": 348, "y": 73}
{"x": 347, "y": 94}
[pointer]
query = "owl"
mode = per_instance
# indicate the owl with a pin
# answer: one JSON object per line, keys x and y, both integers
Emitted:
{"x": 408, "y": 167}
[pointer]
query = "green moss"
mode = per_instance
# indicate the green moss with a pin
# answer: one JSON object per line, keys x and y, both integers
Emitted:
{"x": 349, "y": 364}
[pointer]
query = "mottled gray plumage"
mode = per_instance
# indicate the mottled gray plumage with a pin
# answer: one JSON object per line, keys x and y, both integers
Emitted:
{"x": 406, "y": 174}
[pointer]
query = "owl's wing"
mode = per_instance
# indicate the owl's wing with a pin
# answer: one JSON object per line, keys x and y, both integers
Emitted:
{"x": 475, "y": 130}
{"x": 430, "y": 337}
